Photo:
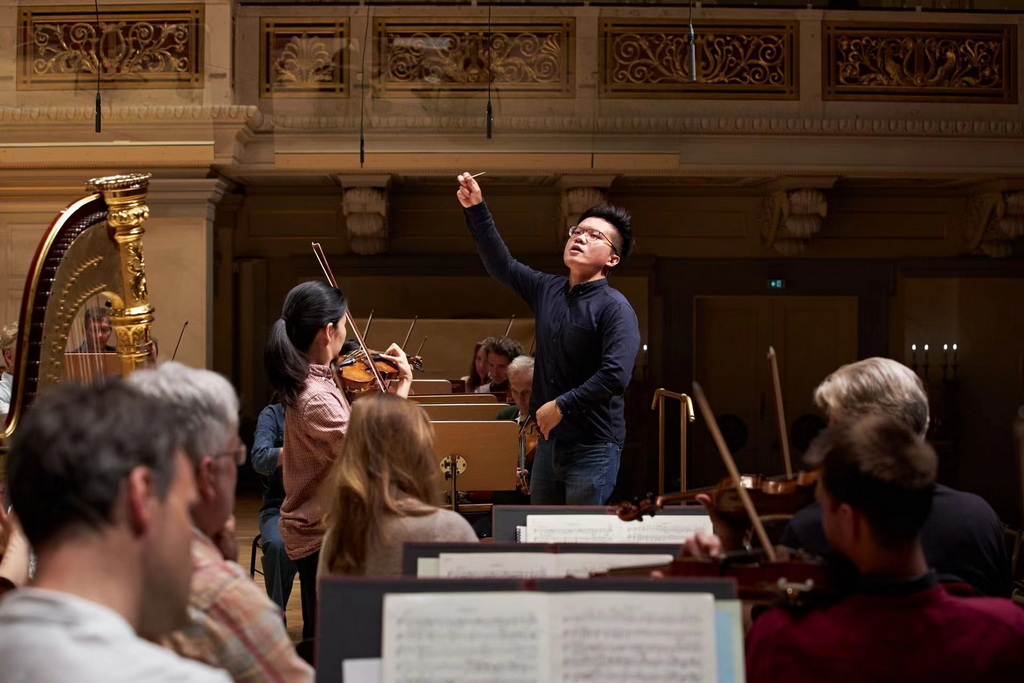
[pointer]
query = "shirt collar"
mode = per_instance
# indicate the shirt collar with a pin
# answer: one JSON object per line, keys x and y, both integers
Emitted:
{"x": 321, "y": 371}
{"x": 585, "y": 287}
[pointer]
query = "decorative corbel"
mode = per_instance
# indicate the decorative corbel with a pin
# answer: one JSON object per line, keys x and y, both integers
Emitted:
{"x": 993, "y": 221}
{"x": 789, "y": 218}
{"x": 366, "y": 217}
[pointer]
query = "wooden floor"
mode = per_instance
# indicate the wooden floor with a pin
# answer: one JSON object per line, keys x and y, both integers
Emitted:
{"x": 247, "y": 506}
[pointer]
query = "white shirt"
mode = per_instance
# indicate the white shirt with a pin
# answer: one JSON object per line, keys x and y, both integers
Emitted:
{"x": 47, "y": 636}
{"x": 6, "y": 386}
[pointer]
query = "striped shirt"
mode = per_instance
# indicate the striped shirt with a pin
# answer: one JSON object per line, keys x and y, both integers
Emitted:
{"x": 314, "y": 430}
{"x": 232, "y": 624}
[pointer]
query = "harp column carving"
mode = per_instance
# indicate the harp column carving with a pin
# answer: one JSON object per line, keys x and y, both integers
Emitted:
{"x": 126, "y": 212}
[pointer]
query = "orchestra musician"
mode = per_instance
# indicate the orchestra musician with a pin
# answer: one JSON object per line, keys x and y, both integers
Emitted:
{"x": 478, "y": 370}
{"x": 963, "y": 538}
{"x": 97, "y": 332}
{"x": 587, "y": 342}
{"x": 300, "y": 348}
{"x": 383, "y": 491}
{"x": 876, "y": 491}
{"x": 8, "y": 340}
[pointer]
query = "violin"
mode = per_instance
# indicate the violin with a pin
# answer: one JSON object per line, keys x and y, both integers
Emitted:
{"x": 796, "y": 580}
{"x": 770, "y": 495}
{"x": 529, "y": 437}
{"x": 358, "y": 370}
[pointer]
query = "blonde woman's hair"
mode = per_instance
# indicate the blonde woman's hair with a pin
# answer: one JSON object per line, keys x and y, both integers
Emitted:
{"x": 8, "y": 338}
{"x": 386, "y": 467}
{"x": 875, "y": 386}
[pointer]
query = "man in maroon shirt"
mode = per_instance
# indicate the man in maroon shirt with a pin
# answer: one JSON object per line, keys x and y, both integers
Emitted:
{"x": 898, "y": 624}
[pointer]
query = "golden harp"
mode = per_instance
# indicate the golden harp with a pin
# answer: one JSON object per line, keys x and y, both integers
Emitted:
{"x": 92, "y": 248}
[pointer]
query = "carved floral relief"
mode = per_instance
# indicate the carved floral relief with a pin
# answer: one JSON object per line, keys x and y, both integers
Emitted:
{"x": 937, "y": 63}
{"x": 652, "y": 59}
{"x": 526, "y": 58}
{"x": 138, "y": 48}
{"x": 303, "y": 58}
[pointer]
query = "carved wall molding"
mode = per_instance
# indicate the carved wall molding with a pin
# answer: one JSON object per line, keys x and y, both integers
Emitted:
{"x": 303, "y": 57}
{"x": 140, "y": 113}
{"x": 137, "y": 47}
{"x": 992, "y": 222}
{"x": 753, "y": 60}
{"x": 366, "y": 217}
{"x": 519, "y": 58}
{"x": 932, "y": 62}
{"x": 789, "y": 219}
{"x": 638, "y": 125}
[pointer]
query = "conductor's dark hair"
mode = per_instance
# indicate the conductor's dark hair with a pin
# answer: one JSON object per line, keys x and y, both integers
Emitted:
{"x": 72, "y": 453}
{"x": 308, "y": 308}
{"x": 619, "y": 219}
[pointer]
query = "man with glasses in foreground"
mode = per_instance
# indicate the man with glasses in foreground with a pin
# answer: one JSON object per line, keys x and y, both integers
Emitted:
{"x": 232, "y": 623}
{"x": 587, "y": 341}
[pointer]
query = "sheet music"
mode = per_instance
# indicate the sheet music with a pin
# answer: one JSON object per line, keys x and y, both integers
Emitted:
{"x": 538, "y": 565}
{"x": 497, "y": 637}
{"x": 666, "y": 529}
{"x": 570, "y": 528}
{"x": 499, "y": 565}
{"x": 611, "y": 529}
{"x": 615, "y": 637}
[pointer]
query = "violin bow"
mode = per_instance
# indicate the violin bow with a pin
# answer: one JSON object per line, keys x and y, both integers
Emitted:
{"x": 780, "y": 411}
{"x": 321, "y": 258}
{"x": 510, "y": 321}
{"x": 730, "y": 464}
{"x": 420, "y": 349}
{"x": 409, "y": 333}
{"x": 366, "y": 329}
{"x": 180, "y": 335}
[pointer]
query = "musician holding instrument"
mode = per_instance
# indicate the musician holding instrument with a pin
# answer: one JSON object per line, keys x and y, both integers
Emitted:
{"x": 501, "y": 351}
{"x": 8, "y": 339}
{"x": 587, "y": 341}
{"x": 300, "y": 348}
{"x": 97, "y": 332}
{"x": 876, "y": 493}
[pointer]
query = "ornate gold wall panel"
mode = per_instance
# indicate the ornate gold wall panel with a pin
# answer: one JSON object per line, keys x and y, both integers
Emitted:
{"x": 303, "y": 57}
{"x": 160, "y": 47}
{"x": 648, "y": 59}
{"x": 527, "y": 57}
{"x": 929, "y": 62}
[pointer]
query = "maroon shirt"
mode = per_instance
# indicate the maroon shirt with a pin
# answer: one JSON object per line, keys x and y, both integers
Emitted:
{"x": 921, "y": 634}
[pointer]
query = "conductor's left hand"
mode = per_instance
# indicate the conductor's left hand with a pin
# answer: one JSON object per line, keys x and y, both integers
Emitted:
{"x": 548, "y": 417}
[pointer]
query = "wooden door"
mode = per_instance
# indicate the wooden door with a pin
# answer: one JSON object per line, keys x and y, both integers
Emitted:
{"x": 812, "y": 336}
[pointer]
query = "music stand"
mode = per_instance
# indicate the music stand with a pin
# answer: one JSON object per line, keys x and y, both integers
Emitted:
{"x": 477, "y": 456}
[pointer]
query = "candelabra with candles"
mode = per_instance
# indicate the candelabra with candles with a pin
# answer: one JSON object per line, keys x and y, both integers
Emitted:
{"x": 943, "y": 430}
{"x": 949, "y": 370}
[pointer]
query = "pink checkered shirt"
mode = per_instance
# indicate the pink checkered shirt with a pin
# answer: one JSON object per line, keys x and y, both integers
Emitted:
{"x": 314, "y": 430}
{"x": 233, "y": 625}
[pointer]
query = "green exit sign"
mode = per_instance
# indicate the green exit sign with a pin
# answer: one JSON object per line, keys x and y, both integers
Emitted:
{"x": 776, "y": 283}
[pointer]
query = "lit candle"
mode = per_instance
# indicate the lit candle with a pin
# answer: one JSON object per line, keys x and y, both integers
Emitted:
{"x": 913, "y": 354}
{"x": 945, "y": 354}
{"x": 926, "y": 354}
{"x": 954, "y": 354}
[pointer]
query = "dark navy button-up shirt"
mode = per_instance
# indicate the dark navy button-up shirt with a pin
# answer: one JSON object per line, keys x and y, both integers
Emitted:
{"x": 587, "y": 340}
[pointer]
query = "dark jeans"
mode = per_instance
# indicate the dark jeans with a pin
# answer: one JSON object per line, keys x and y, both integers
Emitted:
{"x": 573, "y": 474}
{"x": 307, "y": 583}
{"x": 278, "y": 570}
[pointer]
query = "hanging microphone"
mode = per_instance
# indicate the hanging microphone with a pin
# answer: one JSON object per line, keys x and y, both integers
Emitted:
{"x": 362, "y": 150}
{"x": 692, "y": 39}
{"x": 490, "y": 120}
{"x": 96, "y": 48}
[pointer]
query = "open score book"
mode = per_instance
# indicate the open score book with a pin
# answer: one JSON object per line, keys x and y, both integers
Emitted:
{"x": 528, "y": 637}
